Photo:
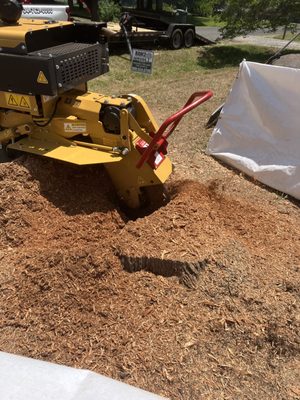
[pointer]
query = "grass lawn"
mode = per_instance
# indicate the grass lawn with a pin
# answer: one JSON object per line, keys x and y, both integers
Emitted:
{"x": 170, "y": 67}
{"x": 204, "y": 21}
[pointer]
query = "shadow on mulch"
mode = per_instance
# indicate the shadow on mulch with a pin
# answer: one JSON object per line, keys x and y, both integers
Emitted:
{"x": 71, "y": 188}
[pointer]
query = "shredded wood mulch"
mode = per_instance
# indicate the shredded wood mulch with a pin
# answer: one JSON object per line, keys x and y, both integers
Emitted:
{"x": 199, "y": 299}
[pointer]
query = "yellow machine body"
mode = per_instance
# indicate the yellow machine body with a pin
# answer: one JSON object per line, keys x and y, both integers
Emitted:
{"x": 15, "y": 34}
{"x": 76, "y": 135}
{"x": 46, "y": 109}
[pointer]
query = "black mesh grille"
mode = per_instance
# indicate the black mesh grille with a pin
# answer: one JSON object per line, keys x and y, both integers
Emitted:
{"x": 82, "y": 65}
{"x": 64, "y": 49}
{"x": 75, "y": 63}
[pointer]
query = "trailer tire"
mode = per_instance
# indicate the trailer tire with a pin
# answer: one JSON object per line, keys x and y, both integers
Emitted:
{"x": 189, "y": 37}
{"x": 176, "y": 40}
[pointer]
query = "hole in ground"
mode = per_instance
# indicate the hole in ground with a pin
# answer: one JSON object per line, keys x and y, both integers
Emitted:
{"x": 155, "y": 197}
{"x": 152, "y": 199}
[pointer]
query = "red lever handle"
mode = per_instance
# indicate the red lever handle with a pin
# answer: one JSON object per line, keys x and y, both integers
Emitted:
{"x": 171, "y": 123}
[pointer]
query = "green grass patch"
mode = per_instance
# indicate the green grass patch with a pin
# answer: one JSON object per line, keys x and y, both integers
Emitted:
{"x": 167, "y": 64}
{"x": 204, "y": 21}
{"x": 175, "y": 66}
{"x": 228, "y": 56}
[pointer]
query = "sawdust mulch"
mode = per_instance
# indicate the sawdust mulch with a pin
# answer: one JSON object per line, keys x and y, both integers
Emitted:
{"x": 232, "y": 331}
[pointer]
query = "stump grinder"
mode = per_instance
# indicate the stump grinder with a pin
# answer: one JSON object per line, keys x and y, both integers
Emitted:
{"x": 47, "y": 110}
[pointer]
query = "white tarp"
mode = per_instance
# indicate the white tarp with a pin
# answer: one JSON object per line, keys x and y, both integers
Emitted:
{"x": 24, "y": 378}
{"x": 259, "y": 128}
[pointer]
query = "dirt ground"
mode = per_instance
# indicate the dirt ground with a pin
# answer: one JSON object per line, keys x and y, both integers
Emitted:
{"x": 198, "y": 300}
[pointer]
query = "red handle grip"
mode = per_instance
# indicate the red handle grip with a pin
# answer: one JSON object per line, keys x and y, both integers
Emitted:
{"x": 171, "y": 123}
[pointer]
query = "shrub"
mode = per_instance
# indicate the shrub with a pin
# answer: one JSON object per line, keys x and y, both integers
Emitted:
{"x": 109, "y": 10}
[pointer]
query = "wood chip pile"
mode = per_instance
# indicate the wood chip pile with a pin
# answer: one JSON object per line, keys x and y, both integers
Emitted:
{"x": 228, "y": 329}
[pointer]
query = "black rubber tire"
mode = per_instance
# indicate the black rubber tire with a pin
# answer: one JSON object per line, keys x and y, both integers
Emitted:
{"x": 189, "y": 38}
{"x": 176, "y": 40}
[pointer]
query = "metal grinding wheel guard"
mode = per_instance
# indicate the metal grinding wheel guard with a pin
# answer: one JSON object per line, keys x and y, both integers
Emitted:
{"x": 159, "y": 142}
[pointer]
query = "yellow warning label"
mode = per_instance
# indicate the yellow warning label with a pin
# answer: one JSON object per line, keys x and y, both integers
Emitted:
{"x": 79, "y": 127}
{"x": 42, "y": 78}
{"x": 24, "y": 103}
{"x": 12, "y": 101}
{"x": 18, "y": 100}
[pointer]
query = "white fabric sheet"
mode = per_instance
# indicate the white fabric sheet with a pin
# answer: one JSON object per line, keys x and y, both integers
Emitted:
{"x": 24, "y": 378}
{"x": 259, "y": 128}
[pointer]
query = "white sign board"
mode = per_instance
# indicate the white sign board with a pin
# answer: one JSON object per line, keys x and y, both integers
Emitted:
{"x": 142, "y": 61}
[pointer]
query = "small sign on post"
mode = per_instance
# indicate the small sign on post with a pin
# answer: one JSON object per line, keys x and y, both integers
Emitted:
{"x": 142, "y": 61}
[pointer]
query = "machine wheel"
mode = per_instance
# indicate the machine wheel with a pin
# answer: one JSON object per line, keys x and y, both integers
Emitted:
{"x": 154, "y": 197}
{"x": 151, "y": 199}
{"x": 189, "y": 37}
{"x": 176, "y": 40}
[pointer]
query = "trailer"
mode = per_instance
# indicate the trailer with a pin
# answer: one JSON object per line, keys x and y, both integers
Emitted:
{"x": 141, "y": 26}
{"x": 174, "y": 36}
{"x": 149, "y": 24}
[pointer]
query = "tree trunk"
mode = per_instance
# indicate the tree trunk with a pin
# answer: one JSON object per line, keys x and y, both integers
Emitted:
{"x": 284, "y": 32}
